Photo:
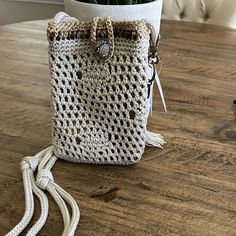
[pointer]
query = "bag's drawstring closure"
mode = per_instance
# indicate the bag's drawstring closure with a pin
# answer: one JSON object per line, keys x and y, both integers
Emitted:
{"x": 43, "y": 162}
{"x": 104, "y": 46}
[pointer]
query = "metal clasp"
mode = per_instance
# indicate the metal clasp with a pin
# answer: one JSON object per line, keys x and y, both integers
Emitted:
{"x": 153, "y": 60}
{"x": 153, "y": 56}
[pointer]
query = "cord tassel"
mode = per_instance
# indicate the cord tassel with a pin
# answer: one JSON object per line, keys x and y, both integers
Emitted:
{"x": 44, "y": 161}
{"x": 154, "y": 140}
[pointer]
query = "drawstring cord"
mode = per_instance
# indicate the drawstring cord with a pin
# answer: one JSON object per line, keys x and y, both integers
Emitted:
{"x": 43, "y": 162}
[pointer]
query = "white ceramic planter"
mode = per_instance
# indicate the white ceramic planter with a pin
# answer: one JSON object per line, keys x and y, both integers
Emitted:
{"x": 86, "y": 11}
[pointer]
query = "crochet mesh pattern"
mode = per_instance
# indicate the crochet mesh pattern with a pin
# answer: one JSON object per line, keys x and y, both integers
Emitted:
{"x": 99, "y": 106}
{"x": 101, "y": 80}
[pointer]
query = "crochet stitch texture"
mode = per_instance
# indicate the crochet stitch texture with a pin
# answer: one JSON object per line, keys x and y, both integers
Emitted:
{"x": 100, "y": 107}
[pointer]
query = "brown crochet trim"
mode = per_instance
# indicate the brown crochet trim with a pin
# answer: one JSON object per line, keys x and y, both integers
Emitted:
{"x": 81, "y": 30}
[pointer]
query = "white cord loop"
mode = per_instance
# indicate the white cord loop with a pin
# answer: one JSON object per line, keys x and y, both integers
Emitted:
{"x": 43, "y": 162}
{"x": 29, "y": 163}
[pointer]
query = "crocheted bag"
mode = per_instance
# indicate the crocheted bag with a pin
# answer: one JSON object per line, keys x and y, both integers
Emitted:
{"x": 102, "y": 75}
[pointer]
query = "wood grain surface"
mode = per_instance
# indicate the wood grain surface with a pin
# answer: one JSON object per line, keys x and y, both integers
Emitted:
{"x": 188, "y": 188}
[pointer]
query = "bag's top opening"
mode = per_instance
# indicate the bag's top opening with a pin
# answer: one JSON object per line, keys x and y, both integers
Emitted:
{"x": 64, "y": 27}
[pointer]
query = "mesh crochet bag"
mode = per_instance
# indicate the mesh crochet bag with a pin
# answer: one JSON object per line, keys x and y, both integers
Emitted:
{"x": 102, "y": 75}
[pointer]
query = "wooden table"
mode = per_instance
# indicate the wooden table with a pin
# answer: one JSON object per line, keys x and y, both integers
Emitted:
{"x": 188, "y": 188}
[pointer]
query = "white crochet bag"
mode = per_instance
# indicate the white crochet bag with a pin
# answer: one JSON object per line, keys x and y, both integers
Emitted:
{"x": 102, "y": 75}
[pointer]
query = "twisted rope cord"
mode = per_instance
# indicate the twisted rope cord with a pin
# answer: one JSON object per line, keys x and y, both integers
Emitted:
{"x": 29, "y": 204}
{"x": 44, "y": 161}
{"x": 69, "y": 231}
{"x": 60, "y": 196}
{"x": 28, "y": 166}
{"x": 61, "y": 203}
{"x": 44, "y": 208}
{"x": 44, "y": 180}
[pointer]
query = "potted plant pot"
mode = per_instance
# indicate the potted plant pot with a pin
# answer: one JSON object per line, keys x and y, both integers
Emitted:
{"x": 150, "y": 11}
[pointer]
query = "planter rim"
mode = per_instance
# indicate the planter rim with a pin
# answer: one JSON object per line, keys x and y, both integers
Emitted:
{"x": 114, "y": 6}
{"x": 87, "y": 11}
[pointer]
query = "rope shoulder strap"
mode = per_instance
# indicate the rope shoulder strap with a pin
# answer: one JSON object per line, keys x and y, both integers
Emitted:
{"x": 42, "y": 164}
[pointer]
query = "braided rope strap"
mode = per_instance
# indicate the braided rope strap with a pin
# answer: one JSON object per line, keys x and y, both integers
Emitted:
{"x": 43, "y": 162}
